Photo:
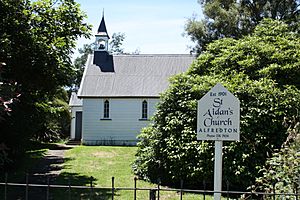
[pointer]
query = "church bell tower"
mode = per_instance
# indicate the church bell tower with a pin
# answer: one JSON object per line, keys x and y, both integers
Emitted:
{"x": 102, "y": 37}
{"x": 102, "y": 57}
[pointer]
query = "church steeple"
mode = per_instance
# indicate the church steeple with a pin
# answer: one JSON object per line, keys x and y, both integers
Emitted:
{"x": 102, "y": 28}
{"x": 102, "y": 37}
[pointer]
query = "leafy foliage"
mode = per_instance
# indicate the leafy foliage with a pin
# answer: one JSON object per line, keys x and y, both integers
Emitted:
{"x": 168, "y": 149}
{"x": 8, "y": 96}
{"x": 56, "y": 118}
{"x": 283, "y": 168}
{"x": 79, "y": 64}
{"x": 270, "y": 52}
{"x": 36, "y": 40}
{"x": 231, "y": 18}
{"x": 116, "y": 43}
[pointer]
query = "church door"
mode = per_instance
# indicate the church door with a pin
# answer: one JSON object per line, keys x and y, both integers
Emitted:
{"x": 78, "y": 125}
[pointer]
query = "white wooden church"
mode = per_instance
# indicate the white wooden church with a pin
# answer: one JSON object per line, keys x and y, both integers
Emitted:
{"x": 118, "y": 93}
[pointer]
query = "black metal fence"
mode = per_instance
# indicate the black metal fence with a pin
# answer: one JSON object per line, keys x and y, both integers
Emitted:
{"x": 46, "y": 191}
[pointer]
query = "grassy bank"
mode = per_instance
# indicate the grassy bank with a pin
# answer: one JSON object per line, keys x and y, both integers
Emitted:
{"x": 103, "y": 163}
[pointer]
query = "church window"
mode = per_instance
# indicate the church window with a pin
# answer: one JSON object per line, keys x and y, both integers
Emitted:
{"x": 106, "y": 109}
{"x": 144, "y": 109}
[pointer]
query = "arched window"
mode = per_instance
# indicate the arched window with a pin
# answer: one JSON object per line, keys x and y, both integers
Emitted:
{"x": 106, "y": 109}
{"x": 144, "y": 110}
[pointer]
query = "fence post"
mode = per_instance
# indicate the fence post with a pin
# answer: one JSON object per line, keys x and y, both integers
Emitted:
{"x": 204, "y": 188}
{"x": 158, "y": 188}
{"x": 112, "y": 187}
{"x": 227, "y": 187}
{"x": 296, "y": 189}
{"x": 274, "y": 193}
{"x": 152, "y": 194}
{"x": 134, "y": 194}
{"x": 69, "y": 189}
{"x": 91, "y": 187}
{"x": 26, "y": 192}
{"x": 181, "y": 187}
{"x": 48, "y": 186}
{"x": 5, "y": 187}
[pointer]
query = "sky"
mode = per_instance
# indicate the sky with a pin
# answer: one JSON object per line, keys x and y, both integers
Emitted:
{"x": 151, "y": 26}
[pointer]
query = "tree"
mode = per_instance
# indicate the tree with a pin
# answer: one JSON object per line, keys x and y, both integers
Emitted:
{"x": 232, "y": 18}
{"x": 8, "y": 93}
{"x": 56, "y": 118}
{"x": 262, "y": 70}
{"x": 116, "y": 43}
{"x": 36, "y": 41}
{"x": 79, "y": 64}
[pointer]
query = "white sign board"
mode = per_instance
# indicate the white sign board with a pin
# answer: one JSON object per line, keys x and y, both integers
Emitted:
{"x": 218, "y": 115}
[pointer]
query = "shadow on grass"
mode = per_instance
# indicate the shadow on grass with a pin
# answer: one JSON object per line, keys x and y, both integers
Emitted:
{"x": 75, "y": 179}
{"x": 63, "y": 189}
{"x": 40, "y": 165}
{"x": 34, "y": 152}
{"x": 53, "y": 146}
{"x": 43, "y": 168}
{"x": 36, "y": 163}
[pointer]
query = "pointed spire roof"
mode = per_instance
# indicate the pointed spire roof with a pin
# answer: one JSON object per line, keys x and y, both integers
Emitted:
{"x": 102, "y": 28}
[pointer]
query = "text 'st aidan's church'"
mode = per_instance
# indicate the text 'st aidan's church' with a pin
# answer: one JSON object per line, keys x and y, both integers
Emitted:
{"x": 118, "y": 93}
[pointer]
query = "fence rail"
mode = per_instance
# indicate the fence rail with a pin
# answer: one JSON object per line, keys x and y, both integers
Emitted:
{"x": 154, "y": 192}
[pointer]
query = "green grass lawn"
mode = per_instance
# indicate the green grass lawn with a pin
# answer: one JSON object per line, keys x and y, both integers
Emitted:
{"x": 102, "y": 163}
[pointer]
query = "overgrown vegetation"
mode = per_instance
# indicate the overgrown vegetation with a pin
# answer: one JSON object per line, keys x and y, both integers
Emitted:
{"x": 283, "y": 168}
{"x": 262, "y": 70}
{"x": 36, "y": 41}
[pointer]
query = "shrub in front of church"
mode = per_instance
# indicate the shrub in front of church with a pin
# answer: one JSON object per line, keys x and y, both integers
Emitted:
{"x": 262, "y": 70}
{"x": 283, "y": 168}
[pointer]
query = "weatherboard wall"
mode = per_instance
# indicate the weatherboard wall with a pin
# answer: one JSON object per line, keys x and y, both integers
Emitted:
{"x": 122, "y": 126}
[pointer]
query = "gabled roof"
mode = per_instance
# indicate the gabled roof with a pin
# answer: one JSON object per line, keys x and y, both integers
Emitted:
{"x": 132, "y": 75}
{"x": 102, "y": 29}
{"x": 74, "y": 101}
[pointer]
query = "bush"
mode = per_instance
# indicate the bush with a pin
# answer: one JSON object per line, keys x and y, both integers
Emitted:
{"x": 263, "y": 72}
{"x": 283, "y": 168}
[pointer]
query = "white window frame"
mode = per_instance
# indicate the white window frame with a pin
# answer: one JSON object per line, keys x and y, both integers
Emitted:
{"x": 106, "y": 109}
{"x": 145, "y": 110}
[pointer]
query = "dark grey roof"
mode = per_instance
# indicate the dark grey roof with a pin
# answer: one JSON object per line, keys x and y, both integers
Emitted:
{"x": 74, "y": 100}
{"x": 132, "y": 76}
{"x": 102, "y": 28}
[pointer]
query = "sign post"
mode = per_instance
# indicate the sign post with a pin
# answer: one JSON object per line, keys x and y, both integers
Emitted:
{"x": 219, "y": 120}
{"x": 218, "y": 170}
